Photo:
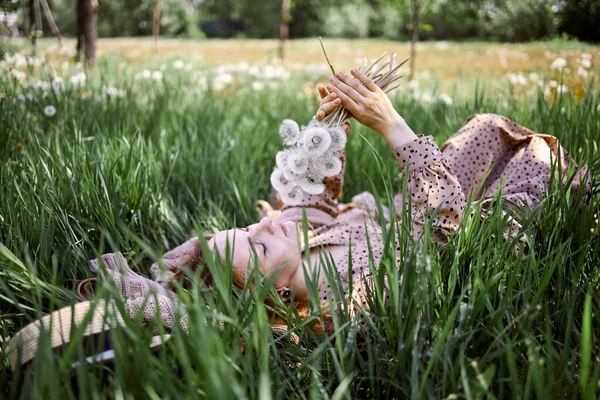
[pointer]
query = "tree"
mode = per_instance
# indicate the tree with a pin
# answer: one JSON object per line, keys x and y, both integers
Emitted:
{"x": 87, "y": 30}
{"x": 415, "y": 10}
{"x": 284, "y": 27}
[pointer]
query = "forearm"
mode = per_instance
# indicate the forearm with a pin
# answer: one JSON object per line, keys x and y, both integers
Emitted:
{"x": 398, "y": 133}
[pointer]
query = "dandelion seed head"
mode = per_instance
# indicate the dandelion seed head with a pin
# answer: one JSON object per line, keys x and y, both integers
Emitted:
{"x": 311, "y": 185}
{"x": 327, "y": 166}
{"x": 559, "y": 63}
{"x": 282, "y": 157}
{"x": 315, "y": 142}
{"x": 297, "y": 162}
{"x": 293, "y": 196}
{"x": 289, "y": 132}
{"x": 49, "y": 111}
{"x": 586, "y": 63}
{"x": 338, "y": 138}
{"x": 279, "y": 182}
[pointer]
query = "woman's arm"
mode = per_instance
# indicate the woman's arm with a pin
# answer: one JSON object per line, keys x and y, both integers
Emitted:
{"x": 434, "y": 192}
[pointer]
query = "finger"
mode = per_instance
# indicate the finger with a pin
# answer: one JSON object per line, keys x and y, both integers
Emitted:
{"x": 347, "y": 102}
{"x": 328, "y": 107}
{"x": 346, "y": 127}
{"x": 353, "y": 83}
{"x": 348, "y": 90}
{"x": 365, "y": 80}
{"x": 322, "y": 91}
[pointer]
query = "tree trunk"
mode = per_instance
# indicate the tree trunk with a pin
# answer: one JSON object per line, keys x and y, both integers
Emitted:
{"x": 87, "y": 30}
{"x": 156, "y": 24}
{"x": 38, "y": 24}
{"x": 51, "y": 22}
{"x": 416, "y": 10}
{"x": 284, "y": 26}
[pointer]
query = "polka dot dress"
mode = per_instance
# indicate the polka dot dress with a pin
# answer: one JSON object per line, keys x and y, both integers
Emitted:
{"x": 489, "y": 152}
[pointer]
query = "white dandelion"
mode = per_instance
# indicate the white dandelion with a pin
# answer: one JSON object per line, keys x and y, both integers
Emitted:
{"x": 338, "y": 138}
{"x": 279, "y": 181}
{"x": 327, "y": 166}
{"x": 586, "y": 63}
{"x": 315, "y": 142}
{"x": 78, "y": 79}
{"x": 282, "y": 157}
{"x": 293, "y": 196}
{"x": 297, "y": 162}
{"x": 289, "y": 132}
{"x": 49, "y": 111}
{"x": 157, "y": 76}
{"x": 559, "y": 63}
{"x": 311, "y": 185}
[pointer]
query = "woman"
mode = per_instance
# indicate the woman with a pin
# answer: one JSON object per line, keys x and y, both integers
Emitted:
{"x": 488, "y": 154}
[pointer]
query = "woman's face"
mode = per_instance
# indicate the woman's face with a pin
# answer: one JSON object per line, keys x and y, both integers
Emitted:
{"x": 276, "y": 247}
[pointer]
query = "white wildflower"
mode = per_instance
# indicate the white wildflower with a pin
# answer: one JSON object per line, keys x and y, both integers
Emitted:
{"x": 413, "y": 85}
{"x": 282, "y": 157}
{"x": 293, "y": 196}
{"x": 553, "y": 83}
{"x": 18, "y": 75}
{"x": 517, "y": 79}
{"x": 297, "y": 162}
{"x": 279, "y": 181}
{"x": 338, "y": 138}
{"x": 257, "y": 86}
{"x": 311, "y": 185}
{"x": 58, "y": 82}
{"x": 327, "y": 166}
{"x": 179, "y": 64}
{"x": 20, "y": 99}
{"x": 583, "y": 73}
{"x": 586, "y": 63}
{"x": 444, "y": 98}
{"x": 112, "y": 92}
{"x": 49, "y": 111}
{"x": 146, "y": 74}
{"x": 315, "y": 142}
{"x": 560, "y": 89}
{"x": 157, "y": 76}
{"x": 559, "y": 63}
{"x": 586, "y": 56}
{"x": 78, "y": 79}
{"x": 289, "y": 132}
{"x": 533, "y": 77}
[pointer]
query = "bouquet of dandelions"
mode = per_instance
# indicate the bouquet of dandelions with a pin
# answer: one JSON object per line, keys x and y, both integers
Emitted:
{"x": 314, "y": 151}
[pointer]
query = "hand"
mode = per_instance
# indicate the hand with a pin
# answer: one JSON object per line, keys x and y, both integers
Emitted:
{"x": 371, "y": 107}
{"x": 329, "y": 102}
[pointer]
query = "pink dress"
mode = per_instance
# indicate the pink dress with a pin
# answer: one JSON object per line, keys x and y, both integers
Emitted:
{"x": 489, "y": 153}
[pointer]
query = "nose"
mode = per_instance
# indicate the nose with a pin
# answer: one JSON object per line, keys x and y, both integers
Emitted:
{"x": 264, "y": 224}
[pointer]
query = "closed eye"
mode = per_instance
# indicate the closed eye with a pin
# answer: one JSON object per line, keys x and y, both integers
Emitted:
{"x": 264, "y": 248}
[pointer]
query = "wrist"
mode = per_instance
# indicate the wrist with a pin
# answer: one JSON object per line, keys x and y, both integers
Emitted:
{"x": 397, "y": 132}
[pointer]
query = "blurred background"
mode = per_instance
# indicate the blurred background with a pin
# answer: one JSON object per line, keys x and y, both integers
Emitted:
{"x": 504, "y": 20}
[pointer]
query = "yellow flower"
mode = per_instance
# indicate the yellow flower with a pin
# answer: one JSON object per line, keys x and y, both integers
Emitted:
{"x": 19, "y": 145}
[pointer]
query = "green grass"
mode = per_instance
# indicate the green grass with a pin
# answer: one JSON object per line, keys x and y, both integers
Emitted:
{"x": 143, "y": 172}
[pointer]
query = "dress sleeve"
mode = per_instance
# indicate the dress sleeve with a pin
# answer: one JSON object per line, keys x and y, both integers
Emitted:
{"x": 433, "y": 191}
{"x": 320, "y": 209}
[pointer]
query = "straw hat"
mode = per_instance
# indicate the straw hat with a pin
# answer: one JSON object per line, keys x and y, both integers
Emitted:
{"x": 88, "y": 322}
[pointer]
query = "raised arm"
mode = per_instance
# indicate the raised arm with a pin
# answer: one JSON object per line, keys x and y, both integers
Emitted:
{"x": 434, "y": 192}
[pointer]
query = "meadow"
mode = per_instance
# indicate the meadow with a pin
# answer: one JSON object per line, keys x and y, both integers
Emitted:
{"x": 153, "y": 146}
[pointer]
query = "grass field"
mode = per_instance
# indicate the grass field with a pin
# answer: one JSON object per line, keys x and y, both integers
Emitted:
{"x": 145, "y": 150}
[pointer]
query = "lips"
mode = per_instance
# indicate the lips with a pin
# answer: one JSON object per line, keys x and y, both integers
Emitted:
{"x": 284, "y": 229}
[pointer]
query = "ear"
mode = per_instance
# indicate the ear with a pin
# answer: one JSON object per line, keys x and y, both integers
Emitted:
{"x": 285, "y": 293}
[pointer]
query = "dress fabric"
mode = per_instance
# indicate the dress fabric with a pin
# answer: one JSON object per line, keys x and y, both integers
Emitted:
{"x": 489, "y": 153}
